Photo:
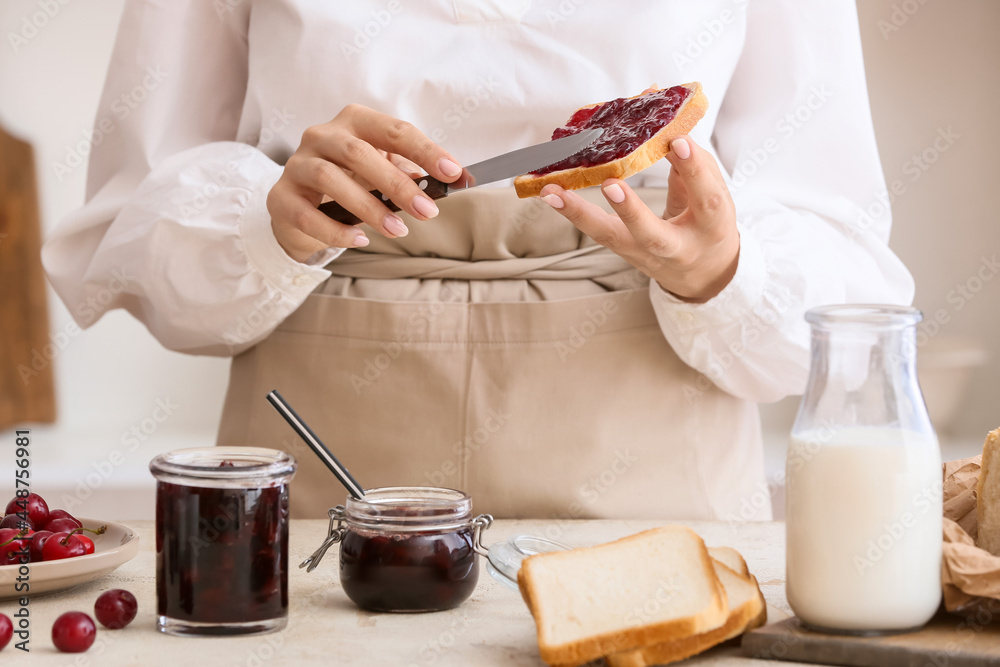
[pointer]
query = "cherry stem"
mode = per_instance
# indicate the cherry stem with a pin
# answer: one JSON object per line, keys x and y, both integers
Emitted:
{"x": 23, "y": 533}
{"x": 99, "y": 531}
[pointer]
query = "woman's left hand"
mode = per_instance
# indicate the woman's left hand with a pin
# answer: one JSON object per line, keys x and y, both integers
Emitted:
{"x": 692, "y": 250}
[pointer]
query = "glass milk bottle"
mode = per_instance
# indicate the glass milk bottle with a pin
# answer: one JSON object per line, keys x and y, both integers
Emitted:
{"x": 863, "y": 478}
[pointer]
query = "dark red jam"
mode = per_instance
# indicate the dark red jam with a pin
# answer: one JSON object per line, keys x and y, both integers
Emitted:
{"x": 420, "y": 571}
{"x": 221, "y": 554}
{"x": 627, "y": 123}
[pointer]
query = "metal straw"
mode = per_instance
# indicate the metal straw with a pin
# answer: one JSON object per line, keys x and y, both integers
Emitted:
{"x": 315, "y": 444}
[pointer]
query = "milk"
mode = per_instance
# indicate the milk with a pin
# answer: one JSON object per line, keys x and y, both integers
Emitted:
{"x": 864, "y": 528}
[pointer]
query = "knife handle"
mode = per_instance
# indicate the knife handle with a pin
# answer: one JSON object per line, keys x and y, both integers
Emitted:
{"x": 431, "y": 186}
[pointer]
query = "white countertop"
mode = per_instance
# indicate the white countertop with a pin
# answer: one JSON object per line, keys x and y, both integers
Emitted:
{"x": 492, "y": 628}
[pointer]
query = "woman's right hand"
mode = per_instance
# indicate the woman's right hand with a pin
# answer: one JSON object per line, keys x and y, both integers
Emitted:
{"x": 359, "y": 150}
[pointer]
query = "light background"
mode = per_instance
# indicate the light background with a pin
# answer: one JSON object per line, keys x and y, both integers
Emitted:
{"x": 933, "y": 68}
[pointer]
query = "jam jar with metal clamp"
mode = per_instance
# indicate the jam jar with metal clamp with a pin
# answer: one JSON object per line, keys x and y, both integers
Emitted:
{"x": 406, "y": 548}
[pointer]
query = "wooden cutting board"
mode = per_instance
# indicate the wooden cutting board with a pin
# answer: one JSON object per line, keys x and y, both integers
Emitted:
{"x": 27, "y": 392}
{"x": 947, "y": 641}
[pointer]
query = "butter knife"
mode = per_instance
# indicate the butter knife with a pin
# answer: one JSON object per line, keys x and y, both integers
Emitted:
{"x": 494, "y": 169}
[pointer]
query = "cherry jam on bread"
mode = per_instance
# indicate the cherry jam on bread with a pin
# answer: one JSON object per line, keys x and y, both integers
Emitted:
{"x": 637, "y": 133}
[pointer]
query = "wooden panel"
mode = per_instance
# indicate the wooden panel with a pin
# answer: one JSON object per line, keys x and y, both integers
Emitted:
{"x": 947, "y": 641}
{"x": 26, "y": 381}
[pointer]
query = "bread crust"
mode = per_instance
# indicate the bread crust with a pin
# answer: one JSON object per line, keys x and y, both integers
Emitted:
{"x": 691, "y": 111}
{"x": 591, "y": 648}
{"x": 988, "y": 496}
{"x": 751, "y": 614}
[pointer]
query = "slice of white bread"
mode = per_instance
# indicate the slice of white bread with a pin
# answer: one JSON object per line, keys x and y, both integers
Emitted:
{"x": 988, "y": 495}
{"x": 746, "y": 610}
{"x": 651, "y": 587}
{"x": 650, "y": 152}
{"x": 731, "y": 558}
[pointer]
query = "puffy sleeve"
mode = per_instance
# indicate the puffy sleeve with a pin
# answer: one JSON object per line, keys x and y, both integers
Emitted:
{"x": 795, "y": 135}
{"x": 175, "y": 228}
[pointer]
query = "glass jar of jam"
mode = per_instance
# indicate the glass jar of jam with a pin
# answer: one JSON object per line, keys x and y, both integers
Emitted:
{"x": 407, "y": 548}
{"x": 222, "y": 540}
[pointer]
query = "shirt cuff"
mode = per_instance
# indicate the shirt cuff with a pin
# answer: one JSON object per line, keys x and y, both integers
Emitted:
{"x": 737, "y": 299}
{"x": 266, "y": 256}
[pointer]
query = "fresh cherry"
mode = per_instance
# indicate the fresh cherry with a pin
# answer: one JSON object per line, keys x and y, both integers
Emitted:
{"x": 74, "y": 632}
{"x": 70, "y": 544}
{"x": 6, "y": 630}
{"x": 61, "y": 514}
{"x": 38, "y": 509}
{"x": 88, "y": 544}
{"x": 12, "y": 545}
{"x": 38, "y": 541}
{"x": 62, "y": 525}
{"x": 16, "y": 522}
{"x": 116, "y": 608}
{"x": 62, "y": 545}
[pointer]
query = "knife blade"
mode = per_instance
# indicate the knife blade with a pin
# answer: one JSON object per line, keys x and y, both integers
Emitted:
{"x": 508, "y": 165}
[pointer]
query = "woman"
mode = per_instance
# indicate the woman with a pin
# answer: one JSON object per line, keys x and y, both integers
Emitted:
{"x": 575, "y": 356}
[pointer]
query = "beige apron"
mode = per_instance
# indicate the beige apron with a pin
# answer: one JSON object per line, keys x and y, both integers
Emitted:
{"x": 499, "y": 351}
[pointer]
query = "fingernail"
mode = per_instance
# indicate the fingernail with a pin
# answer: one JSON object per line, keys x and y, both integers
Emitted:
{"x": 555, "y": 201}
{"x": 615, "y": 193}
{"x": 681, "y": 148}
{"x": 424, "y": 206}
{"x": 394, "y": 225}
{"x": 360, "y": 241}
{"x": 448, "y": 167}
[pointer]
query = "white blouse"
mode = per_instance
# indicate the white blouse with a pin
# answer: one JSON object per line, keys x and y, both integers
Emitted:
{"x": 204, "y": 101}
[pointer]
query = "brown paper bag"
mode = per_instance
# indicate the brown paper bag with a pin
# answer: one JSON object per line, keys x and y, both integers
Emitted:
{"x": 970, "y": 576}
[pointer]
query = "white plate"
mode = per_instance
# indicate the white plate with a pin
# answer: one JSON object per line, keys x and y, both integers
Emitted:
{"x": 117, "y": 546}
